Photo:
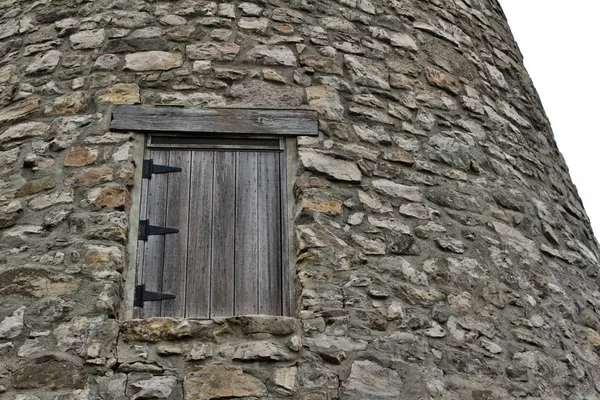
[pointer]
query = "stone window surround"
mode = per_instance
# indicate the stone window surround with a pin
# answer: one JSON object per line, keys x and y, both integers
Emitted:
{"x": 139, "y": 144}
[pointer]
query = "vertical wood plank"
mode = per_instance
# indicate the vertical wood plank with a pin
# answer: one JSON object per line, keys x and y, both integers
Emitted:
{"x": 246, "y": 244}
{"x": 178, "y": 203}
{"x": 223, "y": 240}
{"x": 141, "y": 246}
{"x": 288, "y": 270}
{"x": 269, "y": 234}
{"x": 200, "y": 236}
{"x": 155, "y": 246}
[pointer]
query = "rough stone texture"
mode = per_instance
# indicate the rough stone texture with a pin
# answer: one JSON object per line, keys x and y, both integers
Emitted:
{"x": 221, "y": 381}
{"x": 442, "y": 249}
{"x": 153, "y": 61}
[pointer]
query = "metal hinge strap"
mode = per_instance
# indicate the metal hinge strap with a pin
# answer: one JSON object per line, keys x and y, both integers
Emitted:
{"x": 149, "y": 168}
{"x": 141, "y": 295}
{"x": 145, "y": 230}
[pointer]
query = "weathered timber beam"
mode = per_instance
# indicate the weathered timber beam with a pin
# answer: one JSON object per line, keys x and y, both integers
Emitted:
{"x": 215, "y": 120}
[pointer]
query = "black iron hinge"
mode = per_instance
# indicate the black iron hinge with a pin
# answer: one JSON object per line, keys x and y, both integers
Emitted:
{"x": 141, "y": 295}
{"x": 145, "y": 230}
{"x": 149, "y": 168}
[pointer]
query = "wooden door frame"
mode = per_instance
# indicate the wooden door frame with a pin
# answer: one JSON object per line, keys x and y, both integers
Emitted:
{"x": 288, "y": 168}
{"x": 274, "y": 122}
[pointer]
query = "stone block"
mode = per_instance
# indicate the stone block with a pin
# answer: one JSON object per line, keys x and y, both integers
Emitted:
{"x": 214, "y": 382}
{"x": 120, "y": 93}
{"x": 49, "y": 373}
{"x": 153, "y": 61}
{"x": 80, "y": 156}
{"x": 36, "y": 186}
{"x": 37, "y": 282}
{"x": 19, "y": 109}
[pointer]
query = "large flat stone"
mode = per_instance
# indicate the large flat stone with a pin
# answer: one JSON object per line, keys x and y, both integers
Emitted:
{"x": 86, "y": 40}
{"x": 338, "y": 169}
{"x": 68, "y": 104}
{"x": 272, "y": 55}
{"x": 153, "y": 61}
{"x": 366, "y": 72}
{"x": 212, "y": 51}
{"x": 36, "y": 186}
{"x": 19, "y": 109}
{"x": 44, "y": 64}
{"x": 49, "y": 373}
{"x": 25, "y": 130}
{"x": 120, "y": 93}
{"x": 156, "y": 329}
{"x": 368, "y": 380}
{"x": 398, "y": 190}
{"x": 517, "y": 241}
{"x": 12, "y": 326}
{"x": 218, "y": 381}
{"x": 326, "y": 101}
{"x": 37, "y": 282}
{"x": 48, "y": 200}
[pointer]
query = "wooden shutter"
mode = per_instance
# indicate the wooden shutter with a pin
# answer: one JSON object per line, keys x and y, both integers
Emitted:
{"x": 227, "y": 257}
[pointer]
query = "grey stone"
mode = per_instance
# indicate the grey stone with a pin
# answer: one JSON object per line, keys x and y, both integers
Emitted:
{"x": 47, "y": 200}
{"x": 212, "y": 51}
{"x": 285, "y": 380}
{"x": 366, "y": 72}
{"x": 157, "y": 387}
{"x": 338, "y": 169}
{"x": 12, "y": 326}
{"x": 153, "y": 61}
{"x": 214, "y": 382}
{"x": 370, "y": 380}
{"x": 397, "y": 190}
{"x": 200, "y": 352}
{"x": 450, "y": 244}
{"x": 403, "y": 40}
{"x": 9, "y": 28}
{"x": 86, "y": 40}
{"x": 517, "y": 241}
{"x": 258, "y": 351}
{"x": 19, "y": 109}
{"x": 372, "y": 134}
{"x": 44, "y": 64}
{"x": 250, "y": 9}
{"x": 371, "y": 114}
{"x": 107, "y": 62}
{"x": 272, "y": 55}
{"x": 326, "y": 100}
{"x": 255, "y": 25}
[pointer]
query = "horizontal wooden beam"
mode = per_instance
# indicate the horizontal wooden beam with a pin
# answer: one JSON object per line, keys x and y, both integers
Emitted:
{"x": 215, "y": 120}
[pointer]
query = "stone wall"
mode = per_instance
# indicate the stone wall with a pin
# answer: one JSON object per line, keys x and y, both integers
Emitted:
{"x": 443, "y": 252}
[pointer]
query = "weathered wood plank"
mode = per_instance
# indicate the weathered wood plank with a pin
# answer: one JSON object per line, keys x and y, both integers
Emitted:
{"x": 269, "y": 234}
{"x": 200, "y": 236}
{"x": 178, "y": 201}
{"x": 246, "y": 244}
{"x": 155, "y": 246}
{"x": 141, "y": 247}
{"x": 223, "y": 240}
{"x": 287, "y": 272}
{"x": 215, "y": 120}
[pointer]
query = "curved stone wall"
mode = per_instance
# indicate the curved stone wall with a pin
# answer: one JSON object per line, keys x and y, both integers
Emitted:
{"x": 442, "y": 250}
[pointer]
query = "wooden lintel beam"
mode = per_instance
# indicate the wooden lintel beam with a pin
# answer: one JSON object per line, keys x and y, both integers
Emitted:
{"x": 215, "y": 120}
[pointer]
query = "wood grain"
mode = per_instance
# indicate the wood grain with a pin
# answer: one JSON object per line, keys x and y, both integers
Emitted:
{"x": 223, "y": 240}
{"x": 215, "y": 120}
{"x": 198, "y": 283}
{"x": 176, "y": 244}
{"x": 246, "y": 238}
{"x": 155, "y": 246}
{"x": 269, "y": 235}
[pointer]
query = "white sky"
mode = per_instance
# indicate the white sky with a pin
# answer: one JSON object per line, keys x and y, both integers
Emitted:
{"x": 560, "y": 42}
